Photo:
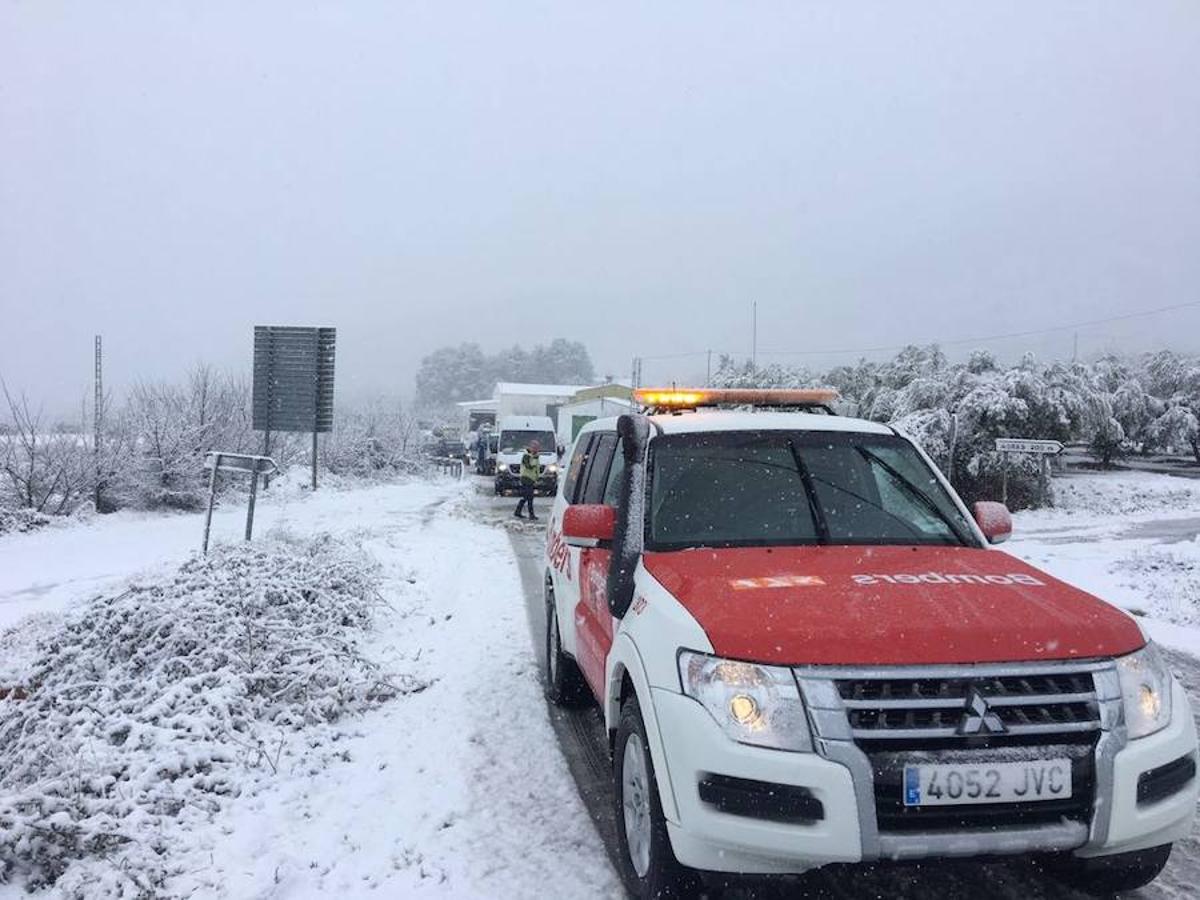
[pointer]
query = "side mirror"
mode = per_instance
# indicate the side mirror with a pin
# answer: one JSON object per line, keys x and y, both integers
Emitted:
{"x": 589, "y": 524}
{"x": 994, "y": 520}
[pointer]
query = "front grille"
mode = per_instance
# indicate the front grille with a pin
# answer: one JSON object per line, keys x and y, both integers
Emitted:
{"x": 898, "y": 721}
{"x": 895, "y": 711}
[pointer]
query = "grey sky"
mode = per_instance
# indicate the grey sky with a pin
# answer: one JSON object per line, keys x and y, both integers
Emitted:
{"x": 632, "y": 176}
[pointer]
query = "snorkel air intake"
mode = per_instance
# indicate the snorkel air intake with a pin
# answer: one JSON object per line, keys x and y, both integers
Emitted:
{"x": 633, "y": 432}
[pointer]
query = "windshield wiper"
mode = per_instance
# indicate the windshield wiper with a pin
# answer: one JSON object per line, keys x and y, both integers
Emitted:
{"x": 913, "y": 491}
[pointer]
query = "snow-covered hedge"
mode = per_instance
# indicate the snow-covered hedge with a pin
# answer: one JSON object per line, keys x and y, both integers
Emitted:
{"x": 149, "y": 708}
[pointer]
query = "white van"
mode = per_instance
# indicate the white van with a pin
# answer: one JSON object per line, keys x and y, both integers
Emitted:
{"x": 515, "y": 435}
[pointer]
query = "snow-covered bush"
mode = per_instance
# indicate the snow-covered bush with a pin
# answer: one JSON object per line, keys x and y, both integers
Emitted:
{"x": 44, "y": 469}
{"x": 172, "y": 427}
{"x": 147, "y": 709}
{"x": 21, "y": 521}
{"x": 377, "y": 439}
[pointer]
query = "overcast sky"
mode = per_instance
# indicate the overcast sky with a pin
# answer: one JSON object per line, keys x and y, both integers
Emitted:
{"x": 631, "y": 176}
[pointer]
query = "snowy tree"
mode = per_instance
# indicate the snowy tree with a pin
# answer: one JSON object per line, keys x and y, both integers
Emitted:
{"x": 453, "y": 374}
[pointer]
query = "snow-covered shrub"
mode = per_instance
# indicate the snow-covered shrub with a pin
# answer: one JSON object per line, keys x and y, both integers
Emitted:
{"x": 173, "y": 426}
{"x": 377, "y": 439}
{"x": 21, "y": 521}
{"x": 41, "y": 468}
{"x": 147, "y": 709}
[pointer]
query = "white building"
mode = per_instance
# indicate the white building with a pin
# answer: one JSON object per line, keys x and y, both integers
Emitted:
{"x": 516, "y": 399}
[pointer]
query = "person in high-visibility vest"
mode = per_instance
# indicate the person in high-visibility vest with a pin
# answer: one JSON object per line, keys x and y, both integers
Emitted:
{"x": 531, "y": 468}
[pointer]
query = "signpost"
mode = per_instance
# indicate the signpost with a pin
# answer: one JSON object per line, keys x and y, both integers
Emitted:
{"x": 246, "y": 463}
{"x": 1031, "y": 446}
{"x": 293, "y": 382}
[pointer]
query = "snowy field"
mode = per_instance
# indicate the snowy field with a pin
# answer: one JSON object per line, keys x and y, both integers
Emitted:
{"x": 458, "y": 788}
{"x": 1132, "y": 538}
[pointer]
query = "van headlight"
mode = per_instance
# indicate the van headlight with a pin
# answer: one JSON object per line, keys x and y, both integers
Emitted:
{"x": 1145, "y": 691}
{"x": 753, "y": 704}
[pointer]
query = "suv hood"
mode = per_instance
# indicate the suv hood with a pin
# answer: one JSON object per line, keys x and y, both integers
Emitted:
{"x": 887, "y": 606}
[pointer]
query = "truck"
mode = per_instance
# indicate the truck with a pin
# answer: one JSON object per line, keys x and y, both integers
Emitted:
{"x": 806, "y": 649}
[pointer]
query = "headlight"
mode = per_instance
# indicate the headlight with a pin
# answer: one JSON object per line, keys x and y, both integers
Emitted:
{"x": 1145, "y": 691}
{"x": 753, "y": 704}
{"x": 552, "y": 469}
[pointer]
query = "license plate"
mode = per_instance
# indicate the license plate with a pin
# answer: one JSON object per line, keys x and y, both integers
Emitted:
{"x": 947, "y": 784}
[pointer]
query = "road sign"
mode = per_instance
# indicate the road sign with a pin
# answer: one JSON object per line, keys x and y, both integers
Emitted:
{"x": 1028, "y": 445}
{"x": 217, "y": 461}
{"x": 293, "y": 382}
{"x": 241, "y": 462}
{"x": 293, "y": 378}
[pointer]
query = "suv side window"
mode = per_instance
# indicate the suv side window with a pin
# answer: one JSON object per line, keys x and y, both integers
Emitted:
{"x": 597, "y": 472}
{"x": 612, "y": 488}
{"x": 578, "y": 462}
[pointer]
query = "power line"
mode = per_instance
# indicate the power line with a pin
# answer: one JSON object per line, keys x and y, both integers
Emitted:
{"x": 990, "y": 337}
{"x": 945, "y": 343}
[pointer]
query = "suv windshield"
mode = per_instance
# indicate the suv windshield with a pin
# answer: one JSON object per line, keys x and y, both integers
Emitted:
{"x": 517, "y": 441}
{"x": 745, "y": 489}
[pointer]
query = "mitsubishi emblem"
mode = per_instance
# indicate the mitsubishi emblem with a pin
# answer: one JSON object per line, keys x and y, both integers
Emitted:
{"x": 979, "y": 718}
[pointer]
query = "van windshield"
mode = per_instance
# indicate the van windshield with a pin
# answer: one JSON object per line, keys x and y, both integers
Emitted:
{"x": 517, "y": 441}
{"x": 769, "y": 488}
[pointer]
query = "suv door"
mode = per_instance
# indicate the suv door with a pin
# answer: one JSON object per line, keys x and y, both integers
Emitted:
{"x": 593, "y": 621}
{"x": 562, "y": 559}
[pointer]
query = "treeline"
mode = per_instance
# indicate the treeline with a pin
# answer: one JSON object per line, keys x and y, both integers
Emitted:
{"x": 153, "y": 443}
{"x": 1116, "y": 405}
{"x": 465, "y": 372}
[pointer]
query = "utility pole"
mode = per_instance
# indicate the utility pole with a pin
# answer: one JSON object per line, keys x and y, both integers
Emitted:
{"x": 754, "y": 334}
{"x": 708, "y": 371}
{"x": 636, "y": 377}
{"x": 97, "y": 423}
{"x": 1075, "y": 349}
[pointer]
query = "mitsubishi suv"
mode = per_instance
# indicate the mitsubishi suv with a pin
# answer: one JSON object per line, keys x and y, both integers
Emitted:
{"x": 807, "y": 650}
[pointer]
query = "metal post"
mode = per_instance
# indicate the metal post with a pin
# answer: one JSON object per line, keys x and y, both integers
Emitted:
{"x": 212, "y": 497}
{"x": 97, "y": 416}
{"x": 953, "y": 441}
{"x": 708, "y": 371}
{"x": 754, "y": 337}
{"x": 253, "y": 497}
{"x": 1004, "y": 478}
{"x": 267, "y": 450}
{"x": 314, "y": 461}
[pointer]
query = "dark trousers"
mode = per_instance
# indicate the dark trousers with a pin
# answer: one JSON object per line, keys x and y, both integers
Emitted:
{"x": 526, "y": 497}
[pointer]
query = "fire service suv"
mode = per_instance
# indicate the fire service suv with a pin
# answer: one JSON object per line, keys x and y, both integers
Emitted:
{"x": 806, "y": 652}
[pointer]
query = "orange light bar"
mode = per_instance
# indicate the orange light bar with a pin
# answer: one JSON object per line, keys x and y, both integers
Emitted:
{"x": 690, "y": 398}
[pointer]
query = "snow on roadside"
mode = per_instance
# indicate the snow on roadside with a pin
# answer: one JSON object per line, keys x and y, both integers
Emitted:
{"x": 1098, "y": 494}
{"x": 148, "y": 710}
{"x": 459, "y": 790}
{"x": 1129, "y": 538}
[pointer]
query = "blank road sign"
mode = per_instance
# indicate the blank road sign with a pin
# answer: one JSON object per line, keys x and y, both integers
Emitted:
{"x": 293, "y": 378}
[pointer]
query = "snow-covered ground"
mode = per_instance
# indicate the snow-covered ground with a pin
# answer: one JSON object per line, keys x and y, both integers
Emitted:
{"x": 1132, "y": 538}
{"x": 460, "y": 789}
{"x": 457, "y": 790}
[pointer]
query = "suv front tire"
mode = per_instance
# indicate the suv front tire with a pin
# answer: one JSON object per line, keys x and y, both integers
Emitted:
{"x": 647, "y": 862}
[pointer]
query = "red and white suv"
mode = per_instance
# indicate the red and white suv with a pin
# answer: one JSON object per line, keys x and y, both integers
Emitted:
{"x": 806, "y": 652}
